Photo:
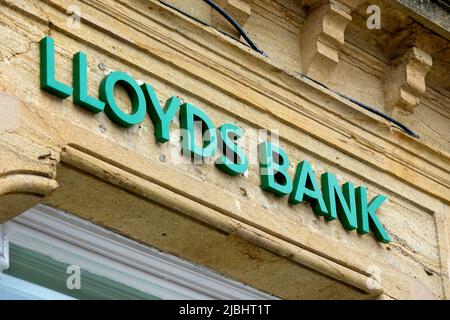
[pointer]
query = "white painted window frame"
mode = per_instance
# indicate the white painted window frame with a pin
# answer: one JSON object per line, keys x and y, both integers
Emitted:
{"x": 72, "y": 240}
{"x": 22, "y": 289}
{"x": 4, "y": 248}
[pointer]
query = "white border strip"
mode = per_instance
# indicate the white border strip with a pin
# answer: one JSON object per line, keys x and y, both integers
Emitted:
{"x": 12, "y": 288}
{"x": 4, "y": 248}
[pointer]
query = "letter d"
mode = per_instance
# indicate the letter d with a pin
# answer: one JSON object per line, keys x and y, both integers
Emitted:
{"x": 189, "y": 114}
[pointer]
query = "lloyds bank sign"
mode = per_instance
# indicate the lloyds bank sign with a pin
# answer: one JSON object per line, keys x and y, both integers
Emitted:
{"x": 347, "y": 203}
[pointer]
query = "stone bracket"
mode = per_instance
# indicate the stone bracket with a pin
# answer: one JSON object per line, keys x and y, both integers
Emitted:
{"x": 240, "y": 10}
{"x": 20, "y": 192}
{"x": 27, "y": 168}
{"x": 405, "y": 80}
{"x": 321, "y": 36}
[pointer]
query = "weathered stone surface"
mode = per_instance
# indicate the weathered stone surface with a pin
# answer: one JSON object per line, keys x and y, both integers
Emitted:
{"x": 405, "y": 80}
{"x": 28, "y": 168}
{"x": 240, "y": 10}
{"x": 116, "y": 178}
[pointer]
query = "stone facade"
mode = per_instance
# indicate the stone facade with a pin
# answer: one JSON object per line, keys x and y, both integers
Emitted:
{"x": 55, "y": 152}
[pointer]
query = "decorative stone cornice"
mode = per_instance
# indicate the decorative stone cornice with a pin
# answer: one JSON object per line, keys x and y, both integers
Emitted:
{"x": 285, "y": 103}
{"x": 405, "y": 80}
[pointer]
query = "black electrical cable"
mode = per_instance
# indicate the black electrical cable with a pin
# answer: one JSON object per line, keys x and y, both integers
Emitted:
{"x": 362, "y": 105}
{"x": 253, "y": 46}
{"x": 368, "y": 108}
{"x": 235, "y": 25}
{"x": 382, "y": 114}
{"x": 183, "y": 13}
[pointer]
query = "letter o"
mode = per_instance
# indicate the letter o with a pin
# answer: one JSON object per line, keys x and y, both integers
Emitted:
{"x": 135, "y": 93}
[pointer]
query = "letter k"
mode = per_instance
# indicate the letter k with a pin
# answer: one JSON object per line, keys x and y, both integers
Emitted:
{"x": 366, "y": 214}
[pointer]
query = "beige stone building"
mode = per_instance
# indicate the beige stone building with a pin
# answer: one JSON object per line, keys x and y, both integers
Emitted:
{"x": 360, "y": 89}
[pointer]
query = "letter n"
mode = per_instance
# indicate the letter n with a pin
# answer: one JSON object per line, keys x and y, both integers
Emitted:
{"x": 339, "y": 202}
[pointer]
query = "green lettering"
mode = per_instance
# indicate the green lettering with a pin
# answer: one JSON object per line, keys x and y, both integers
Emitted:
{"x": 342, "y": 205}
{"x": 274, "y": 176}
{"x": 80, "y": 90}
{"x": 48, "y": 81}
{"x": 367, "y": 217}
{"x": 306, "y": 188}
{"x": 135, "y": 93}
{"x": 189, "y": 114}
{"x": 239, "y": 162}
{"x": 161, "y": 118}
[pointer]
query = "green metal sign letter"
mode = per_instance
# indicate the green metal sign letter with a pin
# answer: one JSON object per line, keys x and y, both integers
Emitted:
{"x": 234, "y": 161}
{"x": 274, "y": 165}
{"x": 306, "y": 188}
{"x": 80, "y": 90}
{"x": 339, "y": 202}
{"x": 161, "y": 118}
{"x": 134, "y": 91}
{"x": 367, "y": 217}
{"x": 189, "y": 114}
{"x": 48, "y": 81}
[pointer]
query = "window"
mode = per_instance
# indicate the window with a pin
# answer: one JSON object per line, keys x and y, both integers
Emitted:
{"x": 49, "y": 249}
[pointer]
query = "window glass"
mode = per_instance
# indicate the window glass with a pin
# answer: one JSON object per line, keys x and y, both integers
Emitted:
{"x": 28, "y": 267}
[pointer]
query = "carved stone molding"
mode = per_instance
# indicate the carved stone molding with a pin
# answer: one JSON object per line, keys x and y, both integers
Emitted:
{"x": 20, "y": 192}
{"x": 283, "y": 103}
{"x": 27, "y": 169}
{"x": 26, "y": 183}
{"x": 240, "y": 10}
{"x": 187, "y": 204}
{"x": 405, "y": 80}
